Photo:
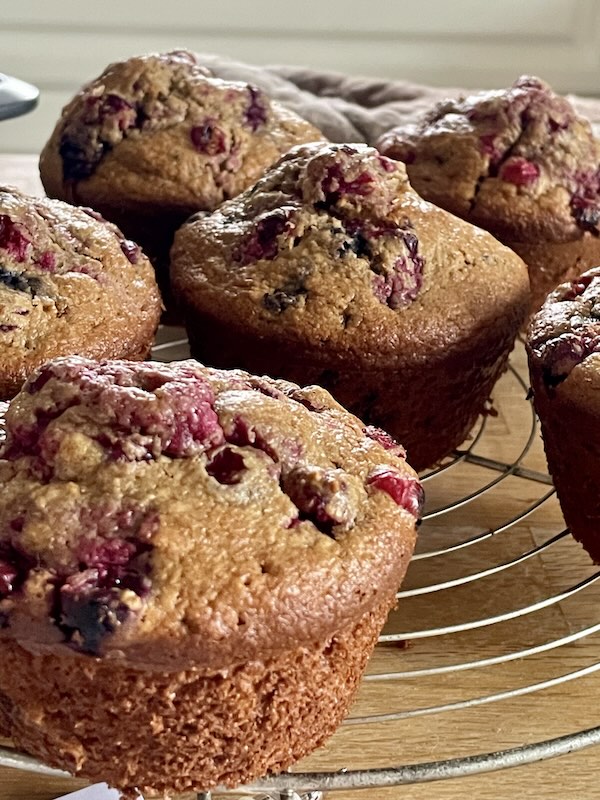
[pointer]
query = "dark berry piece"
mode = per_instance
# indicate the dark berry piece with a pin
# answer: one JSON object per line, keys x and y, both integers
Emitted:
{"x": 405, "y": 492}
{"x": 256, "y": 112}
{"x": 226, "y": 466}
{"x": 79, "y": 158}
{"x": 263, "y": 242}
{"x": 12, "y": 239}
{"x": 21, "y": 282}
{"x": 400, "y": 286}
{"x": 566, "y": 352}
{"x": 208, "y": 138}
{"x": 585, "y": 202}
{"x": 281, "y": 299}
{"x": 88, "y": 613}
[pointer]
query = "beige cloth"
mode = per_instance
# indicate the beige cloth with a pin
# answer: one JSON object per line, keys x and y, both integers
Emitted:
{"x": 349, "y": 108}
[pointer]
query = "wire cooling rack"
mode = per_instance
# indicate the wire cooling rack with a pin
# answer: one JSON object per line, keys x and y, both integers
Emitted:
{"x": 504, "y": 605}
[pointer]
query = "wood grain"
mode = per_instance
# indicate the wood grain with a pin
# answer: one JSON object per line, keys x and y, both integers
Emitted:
{"x": 548, "y": 713}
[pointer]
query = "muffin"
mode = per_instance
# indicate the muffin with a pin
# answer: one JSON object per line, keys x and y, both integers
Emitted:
{"x": 563, "y": 347}
{"x": 69, "y": 283}
{"x": 521, "y": 164}
{"x": 156, "y": 138}
{"x": 331, "y": 270}
{"x": 194, "y": 568}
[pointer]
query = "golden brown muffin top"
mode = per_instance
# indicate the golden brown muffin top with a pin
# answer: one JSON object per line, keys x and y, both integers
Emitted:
{"x": 333, "y": 248}
{"x": 159, "y": 130}
{"x": 519, "y": 162}
{"x": 69, "y": 283}
{"x": 178, "y": 515}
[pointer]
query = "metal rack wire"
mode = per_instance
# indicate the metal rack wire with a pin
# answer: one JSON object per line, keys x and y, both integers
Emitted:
{"x": 458, "y": 555}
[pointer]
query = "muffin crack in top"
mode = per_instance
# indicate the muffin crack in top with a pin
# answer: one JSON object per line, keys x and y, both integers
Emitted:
{"x": 523, "y": 146}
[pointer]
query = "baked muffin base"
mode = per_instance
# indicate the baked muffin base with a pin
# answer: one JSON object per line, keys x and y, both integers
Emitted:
{"x": 552, "y": 263}
{"x": 158, "y": 732}
{"x": 571, "y": 434}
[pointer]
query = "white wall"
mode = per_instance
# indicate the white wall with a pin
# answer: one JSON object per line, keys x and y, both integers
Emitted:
{"x": 473, "y": 43}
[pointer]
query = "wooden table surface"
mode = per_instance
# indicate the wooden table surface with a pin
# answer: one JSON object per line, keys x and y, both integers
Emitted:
{"x": 484, "y": 726}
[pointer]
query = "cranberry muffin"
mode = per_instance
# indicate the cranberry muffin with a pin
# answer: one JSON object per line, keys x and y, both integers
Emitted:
{"x": 332, "y": 271}
{"x": 518, "y": 162}
{"x": 156, "y": 138}
{"x": 563, "y": 347}
{"x": 194, "y": 568}
{"x": 69, "y": 283}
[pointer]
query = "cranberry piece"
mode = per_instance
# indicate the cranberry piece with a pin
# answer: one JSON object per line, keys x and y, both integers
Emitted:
{"x": 519, "y": 171}
{"x": 12, "y": 240}
{"x": 47, "y": 261}
{"x": 405, "y": 492}
{"x": 256, "y": 112}
{"x": 7, "y": 328}
{"x": 113, "y": 105}
{"x": 401, "y": 286}
{"x": 104, "y": 554}
{"x": 334, "y": 184}
{"x": 131, "y": 251}
{"x": 208, "y": 138}
{"x": 263, "y": 244}
{"x": 226, "y": 466}
{"x": 385, "y": 440}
